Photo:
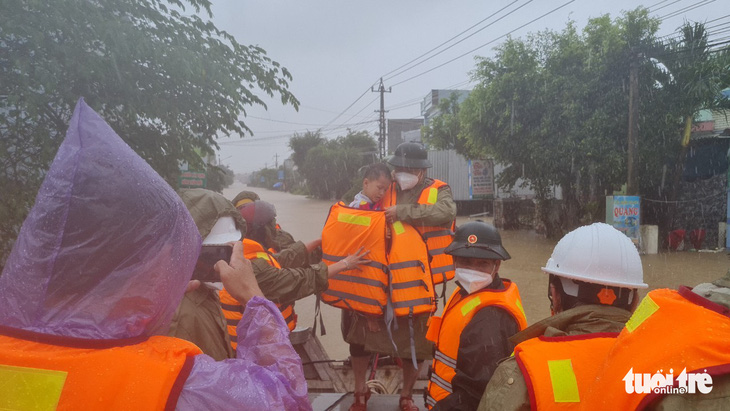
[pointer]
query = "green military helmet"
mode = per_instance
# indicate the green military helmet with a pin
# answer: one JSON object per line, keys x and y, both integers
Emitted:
{"x": 410, "y": 155}
{"x": 477, "y": 239}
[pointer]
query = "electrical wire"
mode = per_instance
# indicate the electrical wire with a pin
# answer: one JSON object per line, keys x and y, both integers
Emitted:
{"x": 686, "y": 9}
{"x": 386, "y": 77}
{"x": 486, "y": 44}
{"x": 452, "y": 38}
{"x": 666, "y": 5}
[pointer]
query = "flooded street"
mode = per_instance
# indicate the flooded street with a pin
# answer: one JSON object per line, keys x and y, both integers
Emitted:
{"x": 304, "y": 219}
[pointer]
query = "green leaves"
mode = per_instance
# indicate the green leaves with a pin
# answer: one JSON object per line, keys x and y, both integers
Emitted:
{"x": 331, "y": 167}
{"x": 166, "y": 80}
{"x": 554, "y": 108}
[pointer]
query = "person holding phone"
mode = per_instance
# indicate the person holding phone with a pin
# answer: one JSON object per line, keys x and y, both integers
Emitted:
{"x": 281, "y": 284}
{"x": 86, "y": 297}
{"x": 199, "y": 318}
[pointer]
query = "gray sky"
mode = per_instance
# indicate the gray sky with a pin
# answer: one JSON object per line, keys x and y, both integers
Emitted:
{"x": 337, "y": 49}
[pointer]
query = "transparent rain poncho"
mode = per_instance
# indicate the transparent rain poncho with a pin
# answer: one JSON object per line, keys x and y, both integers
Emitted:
{"x": 106, "y": 253}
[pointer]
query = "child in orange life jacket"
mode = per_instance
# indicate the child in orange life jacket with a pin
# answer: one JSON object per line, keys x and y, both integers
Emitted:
{"x": 375, "y": 183}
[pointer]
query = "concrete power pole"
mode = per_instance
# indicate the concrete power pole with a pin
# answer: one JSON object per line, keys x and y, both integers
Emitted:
{"x": 632, "y": 185}
{"x": 381, "y": 134}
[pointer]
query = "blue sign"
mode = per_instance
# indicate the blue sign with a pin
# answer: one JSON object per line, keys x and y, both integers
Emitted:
{"x": 626, "y": 213}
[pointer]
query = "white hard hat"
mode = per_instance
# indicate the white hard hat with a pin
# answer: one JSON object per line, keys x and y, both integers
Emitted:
{"x": 224, "y": 231}
{"x": 599, "y": 254}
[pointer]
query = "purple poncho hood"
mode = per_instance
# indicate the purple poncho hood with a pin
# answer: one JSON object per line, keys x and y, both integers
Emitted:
{"x": 108, "y": 248}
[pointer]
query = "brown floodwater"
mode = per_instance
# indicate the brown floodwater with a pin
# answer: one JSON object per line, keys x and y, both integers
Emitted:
{"x": 304, "y": 219}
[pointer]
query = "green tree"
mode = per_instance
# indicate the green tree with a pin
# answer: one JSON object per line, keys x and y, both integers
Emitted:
{"x": 553, "y": 107}
{"x": 697, "y": 76}
{"x": 219, "y": 177}
{"x": 301, "y": 144}
{"x": 266, "y": 177}
{"x": 166, "y": 80}
{"x": 443, "y": 130}
{"x": 331, "y": 167}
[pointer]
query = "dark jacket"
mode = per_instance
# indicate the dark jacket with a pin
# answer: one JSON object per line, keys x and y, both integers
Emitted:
{"x": 483, "y": 343}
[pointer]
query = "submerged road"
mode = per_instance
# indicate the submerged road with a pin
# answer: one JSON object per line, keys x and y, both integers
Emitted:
{"x": 304, "y": 218}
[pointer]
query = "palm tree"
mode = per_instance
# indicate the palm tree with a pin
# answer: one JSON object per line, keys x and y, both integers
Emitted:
{"x": 697, "y": 76}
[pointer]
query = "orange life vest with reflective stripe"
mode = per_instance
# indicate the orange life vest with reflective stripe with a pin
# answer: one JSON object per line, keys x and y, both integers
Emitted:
{"x": 397, "y": 277}
{"x": 233, "y": 310}
{"x": 559, "y": 371}
{"x": 345, "y": 231}
{"x": 670, "y": 330}
{"x": 41, "y": 371}
{"x": 410, "y": 284}
{"x": 437, "y": 237}
{"x": 445, "y": 331}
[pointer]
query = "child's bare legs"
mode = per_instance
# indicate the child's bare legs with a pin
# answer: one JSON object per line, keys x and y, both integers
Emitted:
{"x": 359, "y": 369}
{"x": 410, "y": 375}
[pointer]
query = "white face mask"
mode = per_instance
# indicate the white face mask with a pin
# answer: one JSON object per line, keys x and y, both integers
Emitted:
{"x": 406, "y": 181}
{"x": 472, "y": 280}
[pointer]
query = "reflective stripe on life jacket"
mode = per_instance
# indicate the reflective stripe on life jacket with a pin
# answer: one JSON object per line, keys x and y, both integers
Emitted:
{"x": 233, "y": 310}
{"x": 671, "y": 331}
{"x": 559, "y": 371}
{"x": 345, "y": 231}
{"x": 437, "y": 237}
{"x": 40, "y": 371}
{"x": 411, "y": 287}
{"x": 445, "y": 331}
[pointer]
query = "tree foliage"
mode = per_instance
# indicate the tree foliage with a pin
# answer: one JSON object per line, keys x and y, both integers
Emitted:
{"x": 219, "y": 177}
{"x": 331, "y": 167}
{"x": 166, "y": 80}
{"x": 554, "y": 107}
{"x": 443, "y": 130}
{"x": 695, "y": 79}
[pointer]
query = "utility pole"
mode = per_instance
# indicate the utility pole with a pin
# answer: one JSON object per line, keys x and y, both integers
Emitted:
{"x": 381, "y": 134}
{"x": 632, "y": 185}
{"x": 276, "y": 157}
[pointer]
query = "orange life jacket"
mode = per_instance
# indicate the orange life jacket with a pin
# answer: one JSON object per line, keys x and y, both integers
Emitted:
{"x": 397, "y": 277}
{"x": 670, "y": 330}
{"x": 345, "y": 231}
{"x": 411, "y": 287}
{"x": 437, "y": 237}
{"x": 233, "y": 310}
{"x": 559, "y": 371}
{"x": 445, "y": 331}
{"x": 41, "y": 371}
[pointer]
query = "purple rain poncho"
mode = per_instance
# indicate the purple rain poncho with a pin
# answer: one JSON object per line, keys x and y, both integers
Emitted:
{"x": 106, "y": 253}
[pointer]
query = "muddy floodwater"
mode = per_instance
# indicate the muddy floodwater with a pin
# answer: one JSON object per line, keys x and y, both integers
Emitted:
{"x": 304, "y": 219}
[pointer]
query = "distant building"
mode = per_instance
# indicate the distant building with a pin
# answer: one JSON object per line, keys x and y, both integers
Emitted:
{"x": 398, "y": 127}
{"x": 430, "y": 103}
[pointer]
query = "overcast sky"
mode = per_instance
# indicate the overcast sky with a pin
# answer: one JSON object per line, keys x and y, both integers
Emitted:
{"x": 337, "y": 49}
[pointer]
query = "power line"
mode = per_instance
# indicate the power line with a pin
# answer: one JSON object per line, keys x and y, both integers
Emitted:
{"x": 686, "y": 9}
{"x": 317, "y": 109}
{"x": 485, "y": 44}
{"x": 417, "y": 100}
{"x": 447, "y": 48}
{"x": 324, "y": 131}
{"x": 678, "y": 35}
{"x": 705, "y": 23}
{"x": 666, "y": 5}
{"x": 245, "y": 141}
{"x": 447, "y": 41}
{"x": 286, "y": 122}
{"x": 348, "y": 107}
